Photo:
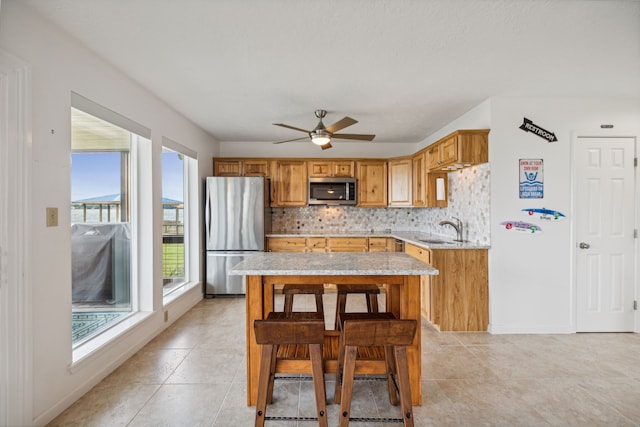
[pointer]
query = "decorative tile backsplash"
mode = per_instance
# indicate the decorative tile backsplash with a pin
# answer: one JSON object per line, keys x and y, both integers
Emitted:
{"x": 469, "y": 196}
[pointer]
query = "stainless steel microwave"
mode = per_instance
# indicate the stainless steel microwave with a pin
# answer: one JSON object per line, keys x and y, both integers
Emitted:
{"x": 332, "y": 191}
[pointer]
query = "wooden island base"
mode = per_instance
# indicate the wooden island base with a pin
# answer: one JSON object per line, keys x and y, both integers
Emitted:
{"x": 402, "y": 299}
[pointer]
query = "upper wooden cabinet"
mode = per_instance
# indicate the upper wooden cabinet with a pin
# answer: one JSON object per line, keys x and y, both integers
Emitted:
{"x": 459, "y": 149}
{"x": 419, "y": 187}
{"x": 328, "y": 168}
{"x": 372, "y": 183}
{"x": 256, "y": 167}
{"x": 241, "y": 167}
{"x": 289, "y": 183}
{"x": 227, "y": 167}
{"x": 400, "y": 181}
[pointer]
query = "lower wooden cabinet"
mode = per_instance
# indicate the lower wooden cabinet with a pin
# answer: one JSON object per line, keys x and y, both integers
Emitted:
{"x": 423, "y": 255}
{"x": 458, "y": 298}
{"x": 460, "y": 293}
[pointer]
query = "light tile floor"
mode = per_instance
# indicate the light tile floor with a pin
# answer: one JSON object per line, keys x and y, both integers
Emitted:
{"x": 193, "y": 374}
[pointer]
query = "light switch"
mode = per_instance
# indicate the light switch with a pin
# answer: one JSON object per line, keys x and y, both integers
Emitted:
{"x": 52, "y": 217}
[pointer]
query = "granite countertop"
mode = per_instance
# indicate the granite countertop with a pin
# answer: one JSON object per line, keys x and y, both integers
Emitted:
{"x": 332, "y": 264}
{"x": 414, "y": 237}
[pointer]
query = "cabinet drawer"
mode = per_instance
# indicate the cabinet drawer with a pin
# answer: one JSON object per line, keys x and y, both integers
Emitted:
{"x": 417, "y": 252}
{"x": 317, "y": 244}
{"x": 288, "y": 244}
{"x": 348, "y": 244}
{"x": 347, "y": 241}
{"x": 378, "y": 244}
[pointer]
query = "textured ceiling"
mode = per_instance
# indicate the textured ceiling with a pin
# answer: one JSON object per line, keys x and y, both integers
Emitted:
{"x": 402, "y": 68}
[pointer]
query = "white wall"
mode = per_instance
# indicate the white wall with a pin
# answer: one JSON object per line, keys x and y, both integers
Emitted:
{"x": 478, "y": 117}
{"x": 61, "y": 65}
{"x": 530, "y": 276}
{"x": 340, "y": 148}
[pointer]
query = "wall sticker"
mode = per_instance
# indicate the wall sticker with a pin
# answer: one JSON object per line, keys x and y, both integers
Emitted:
{"x": 544, "y": 214}
{"x": 521, "y": 226}
{"x": 531, "y": 179}
{"x": 528, "y": 126}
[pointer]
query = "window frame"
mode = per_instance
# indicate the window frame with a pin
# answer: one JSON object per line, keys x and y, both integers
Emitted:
{"x": 140, "y": 199}
{"x": 190, "y": 219}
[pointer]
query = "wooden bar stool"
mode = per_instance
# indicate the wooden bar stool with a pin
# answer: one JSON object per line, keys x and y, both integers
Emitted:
{"x": 296, "y": 328}
{"x": 371, "y": 293}
{"x": 375, "y": 330}
{"x": 290, "y": 290}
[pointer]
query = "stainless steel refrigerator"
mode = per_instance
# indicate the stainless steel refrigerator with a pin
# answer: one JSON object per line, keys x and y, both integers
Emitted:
{"x": 237, "y": 218}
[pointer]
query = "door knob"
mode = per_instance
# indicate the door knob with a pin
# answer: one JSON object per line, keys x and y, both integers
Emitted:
{"x": 583, "y": 245}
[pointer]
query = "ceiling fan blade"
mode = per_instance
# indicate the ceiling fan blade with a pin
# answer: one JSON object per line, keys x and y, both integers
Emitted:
{"x": 326, "y": 146}
{"x": 356, "y": 136}
{"x": 292, "y": 127}
{"x": 341, "y": 124}
{"x": 290, "y": 140}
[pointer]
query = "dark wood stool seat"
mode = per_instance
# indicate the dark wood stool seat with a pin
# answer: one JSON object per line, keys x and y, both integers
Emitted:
{"x": 280, "y": 328}
{"x": 371, "y": 330}
{"x": 290, "y": 290}
{"x": 371, "y": 292}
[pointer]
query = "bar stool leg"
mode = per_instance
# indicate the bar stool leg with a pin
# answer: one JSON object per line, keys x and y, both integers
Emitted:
{"x": 391, "y": 372}
{"x": 347, "y": 384}
{"x": 341, "y": 304}
{"x": 265, "y": 383}
{"x": 403, "y": 385}
{"x": 288, "y": 303}
{"x": 315, "y": 354}
{"x": 339, "y": 372}
{"x": 372, "y": 303}
{"x": 319, "y": 304}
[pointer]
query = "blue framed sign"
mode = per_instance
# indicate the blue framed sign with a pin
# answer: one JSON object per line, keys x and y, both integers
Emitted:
{"x": 531, "y": 179}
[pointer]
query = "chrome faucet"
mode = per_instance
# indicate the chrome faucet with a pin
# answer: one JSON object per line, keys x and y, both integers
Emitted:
{"x": 457, "y": 226}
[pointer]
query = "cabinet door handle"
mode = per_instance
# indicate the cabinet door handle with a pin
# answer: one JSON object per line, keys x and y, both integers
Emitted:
{"x": 584, "y": 245}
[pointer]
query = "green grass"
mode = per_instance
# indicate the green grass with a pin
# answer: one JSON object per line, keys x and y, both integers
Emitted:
{"x": 173, "y": 260}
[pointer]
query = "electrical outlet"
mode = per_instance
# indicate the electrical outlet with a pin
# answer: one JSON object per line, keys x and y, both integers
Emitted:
{"x": 52, "y": 217}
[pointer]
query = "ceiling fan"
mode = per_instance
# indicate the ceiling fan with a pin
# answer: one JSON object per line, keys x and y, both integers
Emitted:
{"x": 322, "y": 135}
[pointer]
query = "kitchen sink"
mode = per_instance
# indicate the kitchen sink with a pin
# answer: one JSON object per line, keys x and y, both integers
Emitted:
{"x": 437, "y": 241}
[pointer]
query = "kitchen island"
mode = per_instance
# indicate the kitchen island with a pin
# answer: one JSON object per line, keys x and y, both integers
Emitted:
{"x": 398, "y": 271}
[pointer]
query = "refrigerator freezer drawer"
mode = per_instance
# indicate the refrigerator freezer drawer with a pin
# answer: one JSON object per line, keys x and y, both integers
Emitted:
{"x": 218, "y": 280}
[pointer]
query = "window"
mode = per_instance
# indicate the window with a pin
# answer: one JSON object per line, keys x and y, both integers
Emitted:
{"x": 177, "y": 161}
{"x": 104, "y": 159}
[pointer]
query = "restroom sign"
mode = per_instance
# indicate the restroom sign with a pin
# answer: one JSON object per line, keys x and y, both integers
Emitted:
{"x": 531, "y": 179}
{"x": 528, "y": 126}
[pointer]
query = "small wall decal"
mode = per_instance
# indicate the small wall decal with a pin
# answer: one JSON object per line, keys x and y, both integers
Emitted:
{"x": 528, "y": 126}
{"x": 521, "y": 226}
{"x": 531, "y": 179}
{"x": 544, "y": 214}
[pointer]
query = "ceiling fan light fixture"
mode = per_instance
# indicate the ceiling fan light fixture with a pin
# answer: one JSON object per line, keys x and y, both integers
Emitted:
{"x": 320, "y": 137}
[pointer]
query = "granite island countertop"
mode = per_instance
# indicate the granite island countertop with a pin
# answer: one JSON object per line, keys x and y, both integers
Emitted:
{"x": 332, "y": 264}
{"x": 414, "y": 237}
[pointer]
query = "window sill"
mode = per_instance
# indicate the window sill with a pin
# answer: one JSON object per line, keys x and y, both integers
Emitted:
{"x": 86, "y": 351}
{"x": 178, "y": 292}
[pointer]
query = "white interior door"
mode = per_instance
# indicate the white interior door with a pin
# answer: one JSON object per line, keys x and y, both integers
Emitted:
{"x": 604, "y": 217}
